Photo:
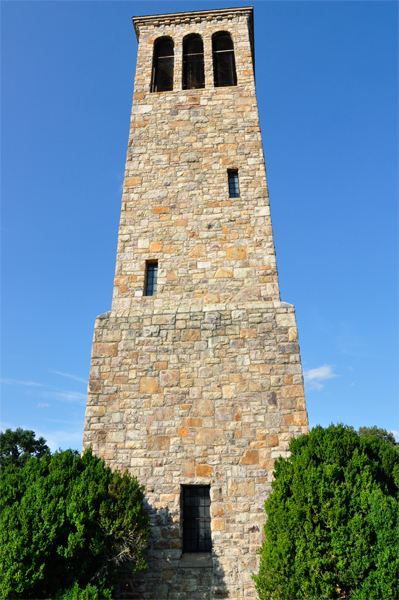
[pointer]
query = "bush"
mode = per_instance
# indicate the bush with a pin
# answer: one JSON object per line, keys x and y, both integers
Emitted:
{"x": 90, "y": 592}
{"x": 64, "y": 519}
{"x": 331, "y": 529}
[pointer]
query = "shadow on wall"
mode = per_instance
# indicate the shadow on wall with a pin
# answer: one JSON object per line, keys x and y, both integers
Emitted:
{"x": 172, "y": 574}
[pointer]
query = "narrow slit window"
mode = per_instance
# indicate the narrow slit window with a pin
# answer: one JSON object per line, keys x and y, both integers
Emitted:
{"x": 224, "y": 66}
{"x": 162, "y": 65}
{"x": 196, "y": 519}
{"x": 193, "y": 62}
{"x": 234, "y": 188}
{"x": 151, "y": 279}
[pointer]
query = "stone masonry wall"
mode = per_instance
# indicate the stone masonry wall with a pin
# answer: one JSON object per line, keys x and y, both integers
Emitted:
{"x": 201, "y": 384}
{"x": 198, "y": 394}
{"x": 176, "y": 207}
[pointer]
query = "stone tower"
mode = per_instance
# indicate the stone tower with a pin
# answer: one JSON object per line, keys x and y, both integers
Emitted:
{"x": 196, "y": 382}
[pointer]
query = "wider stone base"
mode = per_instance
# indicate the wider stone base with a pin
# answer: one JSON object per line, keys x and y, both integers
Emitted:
{"x": 197, "y": 395}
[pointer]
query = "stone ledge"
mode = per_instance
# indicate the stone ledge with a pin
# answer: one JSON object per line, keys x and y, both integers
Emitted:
{"x": 166, "y": 305}
{"x": 105, "y": 315}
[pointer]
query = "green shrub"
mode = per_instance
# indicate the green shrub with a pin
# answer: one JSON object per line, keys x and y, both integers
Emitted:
{"x": 331, "y": 529}
{"x": 64, "y": 519}
{"x": 90, "y": 592}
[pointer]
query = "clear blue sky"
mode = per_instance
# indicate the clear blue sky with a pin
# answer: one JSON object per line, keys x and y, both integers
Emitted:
{"x": 326, "y": 75}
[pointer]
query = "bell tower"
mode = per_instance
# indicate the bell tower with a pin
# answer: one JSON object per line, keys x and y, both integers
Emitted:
{"x": 196, "y": 382}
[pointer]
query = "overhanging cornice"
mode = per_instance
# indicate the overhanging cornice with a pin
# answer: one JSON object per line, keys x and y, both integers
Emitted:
{"x": 195, "y": 16}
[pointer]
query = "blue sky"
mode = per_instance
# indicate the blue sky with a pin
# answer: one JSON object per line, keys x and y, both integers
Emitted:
{"x": 326, "y": 75}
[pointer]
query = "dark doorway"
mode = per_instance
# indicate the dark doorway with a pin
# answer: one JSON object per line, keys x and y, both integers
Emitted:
{"x": 196, "y": 519}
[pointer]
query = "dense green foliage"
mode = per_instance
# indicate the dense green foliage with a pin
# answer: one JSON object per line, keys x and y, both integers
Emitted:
{"x": 67, "y": 519}
{"x": 331, "y": 529}
{"x": 19, "y": 445}
{"x": 90, "y": 592}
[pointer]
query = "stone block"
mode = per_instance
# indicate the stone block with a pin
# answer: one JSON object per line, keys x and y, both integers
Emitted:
{"x": 156, "y": 246}
{"x": 251, "y": 457}
{"x": 205, "y": 372}
{"x": 268, "y": 464}
{"x": 292, "y": 391}
{"x": 224, "y": 414}
{"x": 203, "y": 470}
{"x": 95, "y": 411}
{"x": 288, "y": 348}
{"x": 95, "y": 387}
{"x": 169, "y": 378}
{"x": 164, "y": 413}
{"x": 148, "y": 385}
{"x": 262, "y": 211}
{"x": 228, "y": 391}
{"x": 161, "y": 210}
{"x": 203, "y": 408}
{"x": 132, "y": 181}
{"x": 188, "y": 468}
{"x": 192, "y": 422}
{"x": 242, "y": 488}
{"x": 224, "y": 273}
{"x": 161, "y": 366}
{"x": 236, "y": 254}
{"x": 217, "y": 509}
{"x": 248, "y": 294}
{"x": 198, "y": 251}
{"x": 115, "y": 436}
{"x": 209, "y": 437}
{"x": 301, "y": 418}
{"x": 248, "y": 333}
{"x": 167, "y": 498}
{"x": 158, "y": 442}
{"x": 104, "y": 349}
{"x": 272, "y": 440}
{"x": 190, "y": 335}
{"x": 143, "y": 243}
{"x": 244, "y": 273}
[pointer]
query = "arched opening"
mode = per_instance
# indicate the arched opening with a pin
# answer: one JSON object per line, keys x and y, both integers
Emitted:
{"x": 162, "y": 65}
{"x": 193, "y": 62}
{"x": 224, "y": 66}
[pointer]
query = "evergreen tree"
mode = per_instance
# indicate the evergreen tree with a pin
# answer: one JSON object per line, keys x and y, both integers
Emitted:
{"x": 19, "y": 445}
{"x": 67, "y": 522}
{"x": 332, "y": 520}
{"x": 383, "y": 434}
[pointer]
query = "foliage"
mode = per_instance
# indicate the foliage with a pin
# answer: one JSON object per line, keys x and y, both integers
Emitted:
{"x": 383, "y": 434}
{"x": 64, "y": 519}
{"x": 331, "y": 530}
{"x": 90, "y": 592}
{"x": 19, "y": 445}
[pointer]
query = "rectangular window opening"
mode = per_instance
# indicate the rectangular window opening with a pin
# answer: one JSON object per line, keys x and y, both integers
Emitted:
{"x": 234, "y": 189}
{"x": 196, "y": 518}
{"x": 151, "y": 278}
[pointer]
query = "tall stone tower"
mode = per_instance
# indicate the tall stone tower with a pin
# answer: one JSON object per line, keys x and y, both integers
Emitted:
{"x": 196, "y": 381}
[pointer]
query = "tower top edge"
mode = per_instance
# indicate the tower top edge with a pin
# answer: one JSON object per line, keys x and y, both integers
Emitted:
{"x": 196, "y": 16}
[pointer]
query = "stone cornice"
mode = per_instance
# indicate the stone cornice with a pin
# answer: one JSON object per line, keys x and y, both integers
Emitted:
{"x": 186, "y": 18}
